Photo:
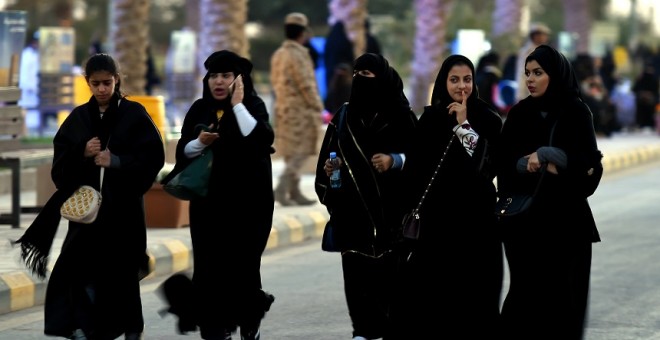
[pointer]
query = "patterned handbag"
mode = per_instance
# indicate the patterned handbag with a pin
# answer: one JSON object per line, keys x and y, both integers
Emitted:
{"x": 83, "y": 205}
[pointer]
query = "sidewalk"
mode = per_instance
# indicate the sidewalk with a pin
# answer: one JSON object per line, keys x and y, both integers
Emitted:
{"x": 171, "y": 250}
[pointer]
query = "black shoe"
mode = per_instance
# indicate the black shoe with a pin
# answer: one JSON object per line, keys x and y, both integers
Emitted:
{"x": 177, "y": 291}
{"x": 225, "y": 336}
{"x": 250, "y": 334}
{"x": 134, "y": 336}
{"x": 250, "y": 330}
{"x": 78, "y": 334}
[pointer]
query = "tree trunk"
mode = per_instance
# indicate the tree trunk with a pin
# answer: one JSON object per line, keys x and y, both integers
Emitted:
{"x": 129, "y": 32}
{"x": 578, "y": 21}
{"x": 429, "y": 48}
{"x": 507, "y": 32}
{"x": 221, "y": 27}
{"x": 64, "y": 12}
{"x": 192, "y": 14}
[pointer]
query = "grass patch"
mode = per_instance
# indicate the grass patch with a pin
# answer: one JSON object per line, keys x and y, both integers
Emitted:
{"x": 37, "y": 140}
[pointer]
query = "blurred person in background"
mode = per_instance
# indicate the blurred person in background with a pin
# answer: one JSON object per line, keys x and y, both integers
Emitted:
{"x": 646, "y": 88}
{"x": 539, "y": 34}
{"x": 28, "y": 82}
{"x": 339, "y": 90}
{"x": 624, "y": 102}
{"x": 594, "y": 93}
{"x": 487, "y": 80}
{"x": 373, "y": 46}
{"x": 338, "y": 49}
{"x": 151, "y": 77}
{"x": 298, "y": 109}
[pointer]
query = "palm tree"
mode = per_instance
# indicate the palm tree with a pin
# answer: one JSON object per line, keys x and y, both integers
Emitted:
{"x": 129, "y": 34}
{"x": 429, "y": 48}
{"x": 353, "y": 13}
{"x": 222, "y": 26}
{"x": 64, "y": 12}
{"x": 192, "y": 14}
{"x": 577, "y": 20}
{"x": 506, "y": 34}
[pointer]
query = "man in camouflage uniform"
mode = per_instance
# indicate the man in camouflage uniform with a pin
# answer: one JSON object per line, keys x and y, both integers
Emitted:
{"x": 298, "y": 108}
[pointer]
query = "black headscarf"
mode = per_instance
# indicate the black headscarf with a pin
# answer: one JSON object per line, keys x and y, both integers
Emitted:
{"x": 379, "y": 94}
{"x": 440, "y": 94}
{"x": 563, "y": 81}
{"x": 228, "y": 61}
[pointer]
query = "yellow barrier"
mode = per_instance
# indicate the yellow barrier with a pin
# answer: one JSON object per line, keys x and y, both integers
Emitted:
{"x": 81, "y": 92}
{"x": 61, "y": 116}
{"x": 155, "y": 106}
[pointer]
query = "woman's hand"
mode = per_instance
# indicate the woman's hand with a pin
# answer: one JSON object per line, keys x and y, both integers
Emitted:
{"x": 533, "y": 163}
{"x": 207, "y": 137}
{"x": 328, "y": 167}
{"x": 382, "y": 162}
{"x": 460, "y": 109}
{"x": 93, "y": 147}
{"x": 237, "y": 91}
{"x": 103, "y": 158}
{"x": 552, "y": 168}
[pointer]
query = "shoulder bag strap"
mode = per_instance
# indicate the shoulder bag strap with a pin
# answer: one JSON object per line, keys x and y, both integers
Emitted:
{"x": 428, "y": 187}
{"x": 544, "y": 168}
{"x": 103, "y": 168}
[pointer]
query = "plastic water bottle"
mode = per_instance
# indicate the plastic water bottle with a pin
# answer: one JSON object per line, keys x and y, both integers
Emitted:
{"x": 335, "y": 177}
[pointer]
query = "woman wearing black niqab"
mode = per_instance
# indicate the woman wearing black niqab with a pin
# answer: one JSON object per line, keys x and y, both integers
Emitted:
{"x": 371, "y": 135}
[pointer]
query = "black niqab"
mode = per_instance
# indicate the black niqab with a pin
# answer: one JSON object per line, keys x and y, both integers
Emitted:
{"x": 382, "y": 93}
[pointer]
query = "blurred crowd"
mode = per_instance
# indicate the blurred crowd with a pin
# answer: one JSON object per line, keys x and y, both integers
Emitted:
{"x": 620, "y": 99}
{"x": 619, "y": 102}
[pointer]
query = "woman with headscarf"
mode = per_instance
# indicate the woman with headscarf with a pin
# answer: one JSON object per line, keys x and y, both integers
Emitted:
{"x": 338, "y": 49}
{"x": 111, "y": 144}
{"x": 451, "y": 277}
{"x": 371, "y": 135}
{"x": 548, "y": 249}
{"x": 229, "y": 227}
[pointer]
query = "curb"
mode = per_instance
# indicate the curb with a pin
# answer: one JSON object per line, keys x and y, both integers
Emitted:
{"x": 619, "y": 160}
{"x": 20, "y": 290}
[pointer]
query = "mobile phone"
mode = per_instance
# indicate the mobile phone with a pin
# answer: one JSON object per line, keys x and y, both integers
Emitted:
{"x": 233, "y": 85}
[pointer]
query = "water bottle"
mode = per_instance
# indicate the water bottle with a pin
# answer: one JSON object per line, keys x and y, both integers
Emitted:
{"x": 335, "y": 177}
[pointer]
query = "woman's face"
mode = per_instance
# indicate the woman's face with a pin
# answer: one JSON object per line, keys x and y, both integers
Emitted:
{"x": 364, "y": 73}
{"x": 102, "y": 84}
{"x": 536, "y": 78}
{"x": 220, "y": 84}
{"x": 459, "y": 81}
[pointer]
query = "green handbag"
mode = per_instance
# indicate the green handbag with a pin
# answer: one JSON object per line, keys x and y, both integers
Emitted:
{"x": 193, "y": 181}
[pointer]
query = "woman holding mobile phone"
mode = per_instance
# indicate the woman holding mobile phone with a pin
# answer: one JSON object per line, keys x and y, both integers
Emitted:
{"x": 229, "y": 234}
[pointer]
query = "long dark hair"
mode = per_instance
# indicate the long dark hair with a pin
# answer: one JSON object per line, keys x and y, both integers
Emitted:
{"x": 104, "y": 62}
